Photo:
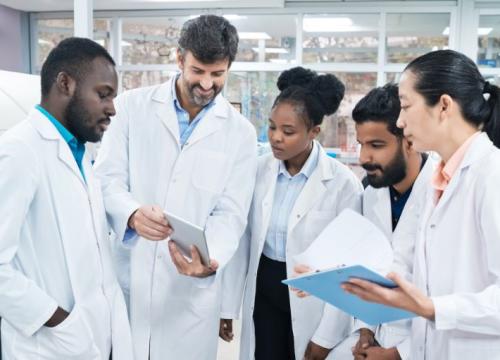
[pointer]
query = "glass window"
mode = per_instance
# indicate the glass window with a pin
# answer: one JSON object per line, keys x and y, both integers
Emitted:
{"x": 489, "y": 41}
{"x": 135, "y": 79}
{"x": 151, "y": 40}
{"x": 340, "y": 38}
{"x": 412, "y": 35}
{"x": 392, "y": 77}
{"x": 255, "y": 91}
{"x": 52, "y": 31}
{"x": 265, "y": 38}
{"x": 337, "y": 130}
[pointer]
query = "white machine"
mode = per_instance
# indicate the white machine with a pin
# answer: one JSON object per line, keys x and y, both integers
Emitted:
{"x": 19, "y": 93}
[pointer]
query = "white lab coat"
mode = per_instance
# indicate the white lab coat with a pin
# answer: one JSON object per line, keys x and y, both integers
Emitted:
{"x": 208, "y": 182}
{"x": 54, "y": 251}
{"x": 377, "y": 208}
{"x": 331, "y": 188}
{"x": 457, "y": 262}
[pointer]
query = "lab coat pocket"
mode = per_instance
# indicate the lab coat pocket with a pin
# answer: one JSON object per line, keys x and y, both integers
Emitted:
{"x": 71, "y": 339}
{"x": 474, "y": 348}
{"x": 209, "y": 170}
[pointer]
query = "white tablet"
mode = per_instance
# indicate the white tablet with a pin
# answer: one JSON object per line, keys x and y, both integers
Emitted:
{"x": 186, "y": 234}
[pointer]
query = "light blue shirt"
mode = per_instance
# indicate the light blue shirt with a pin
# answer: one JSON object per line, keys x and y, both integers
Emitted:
{"x": 288, "y": 188}
{"x": 186, "y": 128}
{"x": 77, "y": 148}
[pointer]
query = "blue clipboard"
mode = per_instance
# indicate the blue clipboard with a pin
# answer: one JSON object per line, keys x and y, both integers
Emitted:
{"x": 326, "y": 286}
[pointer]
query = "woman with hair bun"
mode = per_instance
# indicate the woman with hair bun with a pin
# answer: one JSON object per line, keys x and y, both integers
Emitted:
{"x": 299, "y": 190}
{"x": 447, "y": 107}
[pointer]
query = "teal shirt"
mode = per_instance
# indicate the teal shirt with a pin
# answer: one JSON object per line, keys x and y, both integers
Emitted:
{"x": 77, "y": 148}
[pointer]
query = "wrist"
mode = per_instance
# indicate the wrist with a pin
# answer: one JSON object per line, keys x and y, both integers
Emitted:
{"x": 366, "y": 332}
{"x": 130, "y": 222}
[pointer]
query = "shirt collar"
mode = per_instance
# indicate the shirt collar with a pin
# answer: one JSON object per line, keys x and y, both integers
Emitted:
{"x": 177, "y": 103}
{"x": 308, "y": 167}
{"x": 67, "y": 136}
{"x": 445, "y": 171}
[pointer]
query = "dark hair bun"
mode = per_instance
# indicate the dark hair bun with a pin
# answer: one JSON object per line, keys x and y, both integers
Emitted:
{"x": 297, "y": 76}
{"x": 329, "y": 91}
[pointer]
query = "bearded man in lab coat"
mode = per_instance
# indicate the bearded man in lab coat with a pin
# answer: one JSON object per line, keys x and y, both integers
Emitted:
{"x": 179, "y": 147}
{"x": 398, "y": 179}
{"x": 59, "y": 296}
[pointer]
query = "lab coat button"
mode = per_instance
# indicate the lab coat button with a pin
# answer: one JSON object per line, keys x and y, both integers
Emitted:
{"x": 433, "y": 226}
{"x": 159, "y": 257}
{"x": 298, "y": 216}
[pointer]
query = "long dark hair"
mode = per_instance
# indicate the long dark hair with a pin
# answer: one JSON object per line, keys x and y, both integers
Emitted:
{"x": 452, "y": 73}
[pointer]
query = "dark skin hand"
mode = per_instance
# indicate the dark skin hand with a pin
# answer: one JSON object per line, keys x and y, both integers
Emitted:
{"x": 366, "y": 340}
{"x": 316, "y": 352}
{"x": 58, "y": 317}
{"x": 379, "y": 353}
{"x": 226, "y": 330}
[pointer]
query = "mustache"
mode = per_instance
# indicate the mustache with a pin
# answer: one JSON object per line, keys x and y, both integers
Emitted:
{"x": 214, "y": 88}
{"x": 371, "y": 167}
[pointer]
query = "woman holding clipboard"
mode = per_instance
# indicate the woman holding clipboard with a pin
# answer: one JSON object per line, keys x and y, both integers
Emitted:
{"x": 447, "y": 107}
{"x": 299, "y": 190}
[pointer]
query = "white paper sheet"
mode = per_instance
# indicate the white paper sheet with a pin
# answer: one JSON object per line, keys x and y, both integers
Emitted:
{"x": 350, "y": 239}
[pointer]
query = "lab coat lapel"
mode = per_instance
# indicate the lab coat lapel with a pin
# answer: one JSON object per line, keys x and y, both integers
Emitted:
{"x": 50, "y": 133}
{"x": 313, "y": 190}
{"x": 382, "y": 209}
{"x": 269, "y": 179}
{"x": 211, "y": 122}
{"x": 477, "y": 150}
{"x": 165, "y": 109}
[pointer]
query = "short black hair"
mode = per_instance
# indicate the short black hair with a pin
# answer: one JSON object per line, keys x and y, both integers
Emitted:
{"x": 380, "y": 105}
{"x": 313, "y": 96}
{"x": 72, "y": 56}
{"x": 209, "y": 38}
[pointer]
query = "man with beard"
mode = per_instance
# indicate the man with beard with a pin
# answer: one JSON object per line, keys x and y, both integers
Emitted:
{"x": 179, "y": 147}
{"x": 59, "y": 296}
{"x": 397, "y": 176}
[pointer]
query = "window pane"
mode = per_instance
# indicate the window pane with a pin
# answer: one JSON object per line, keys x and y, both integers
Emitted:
{"x": 151, "y": 40}
{"x": 392, "y": 77}
{"x": 340, "y": 38}
{"x": 255, "y": 91}
{"x": 337, "y": 131}
{"x": 135, "y": 79}
{"x": 412, "y": 35}
{"x": 266, "y": 38}
{"x": 489, "y": 41}
{"x": 52, "y": 31}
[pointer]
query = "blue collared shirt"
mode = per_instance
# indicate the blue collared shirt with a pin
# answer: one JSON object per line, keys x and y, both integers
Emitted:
{"x": 77, "y": 148}
{"x": 288, "y": 188}
{"x": 186, "y": 127}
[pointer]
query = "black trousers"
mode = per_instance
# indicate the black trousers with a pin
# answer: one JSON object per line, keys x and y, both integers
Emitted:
{"x": 271, "y": 316}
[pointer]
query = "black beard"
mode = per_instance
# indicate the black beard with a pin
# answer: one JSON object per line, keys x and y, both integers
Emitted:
{"x": 392, "y": 174}
{"x": 79, "y": 119}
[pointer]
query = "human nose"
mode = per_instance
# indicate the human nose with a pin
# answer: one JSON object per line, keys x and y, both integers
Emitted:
{"x": 364, "y": 155}
{"x": 206, "y": 83}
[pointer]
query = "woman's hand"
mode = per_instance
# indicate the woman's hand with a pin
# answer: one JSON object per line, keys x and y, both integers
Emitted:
{"x": 406, "y": 296}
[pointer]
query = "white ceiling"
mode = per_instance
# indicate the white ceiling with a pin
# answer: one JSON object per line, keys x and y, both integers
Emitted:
{"x": 64, "y": 5}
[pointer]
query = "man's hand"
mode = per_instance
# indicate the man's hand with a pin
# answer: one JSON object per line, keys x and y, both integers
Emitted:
{"x": 226, "y": 329}
{"x": 195, "y": 267}
{"x": 316, "y": 352}
{"x": 378, "y": 353}
{"x": 58, "y": 317}
{"x": 149, "y": 222}
{"x": 366, "y": 340}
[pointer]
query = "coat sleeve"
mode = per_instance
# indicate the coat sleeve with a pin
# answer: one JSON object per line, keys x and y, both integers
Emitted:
{"x": 22, "y": 302}
{"x": 227, "y": 222}
{"x": 336, "y": 325}
{"x": 112, "y": 169}
{"x": 234, "y": 279}
{"x": 479, "y": 312}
